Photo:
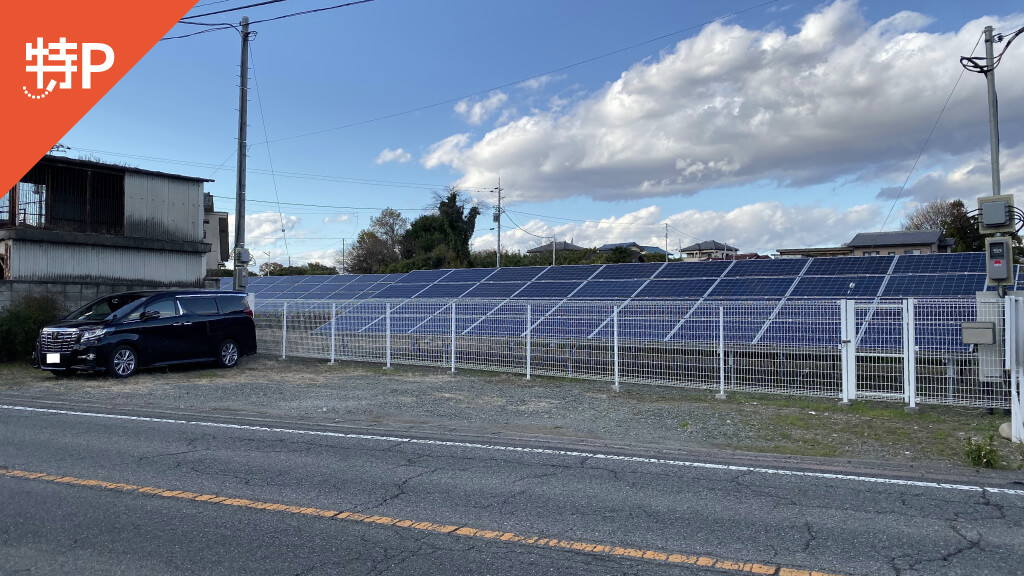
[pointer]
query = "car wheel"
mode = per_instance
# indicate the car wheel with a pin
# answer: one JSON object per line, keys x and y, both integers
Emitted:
{"x": 227, "y": 355}
{"x": 123, "y": 362}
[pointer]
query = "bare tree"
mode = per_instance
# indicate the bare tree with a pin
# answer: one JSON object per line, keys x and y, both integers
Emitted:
{"x": 935, "y": 215}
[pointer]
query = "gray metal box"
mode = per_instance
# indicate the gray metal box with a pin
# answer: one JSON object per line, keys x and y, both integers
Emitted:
{"x": 995, "y": 213}
{"x": 978, "y": 332}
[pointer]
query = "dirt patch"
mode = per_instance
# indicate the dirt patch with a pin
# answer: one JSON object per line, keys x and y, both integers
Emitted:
{"x": 430, "y": 398}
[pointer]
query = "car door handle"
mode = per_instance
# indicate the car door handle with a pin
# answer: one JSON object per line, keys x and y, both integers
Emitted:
{"x": 182, "y": 324}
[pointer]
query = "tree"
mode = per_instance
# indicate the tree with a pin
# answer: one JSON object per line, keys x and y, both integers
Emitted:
{"x": 370, "y": 255}
{"x": 459, "y": 226}
{"x": 935, "y": 215}
{"x": 270, "y": 269}
{"x": 390, "y": 226}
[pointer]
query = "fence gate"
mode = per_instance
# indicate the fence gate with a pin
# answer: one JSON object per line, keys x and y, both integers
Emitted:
{"x": 881, "y": 341}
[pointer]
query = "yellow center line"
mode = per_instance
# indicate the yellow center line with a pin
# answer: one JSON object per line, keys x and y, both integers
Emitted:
{"x": 464, "y": 531}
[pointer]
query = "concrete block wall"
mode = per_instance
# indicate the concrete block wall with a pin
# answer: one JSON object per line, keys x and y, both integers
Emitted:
{"x": 72, "y": 294}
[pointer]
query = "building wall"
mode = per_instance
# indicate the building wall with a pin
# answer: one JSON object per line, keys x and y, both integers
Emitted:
{"x": 213, "y": 237}
{"x": 71, "y": 294}
{"x": 163, "y": 208}
{"x": 898, "y": 250}
{"x": 57, "y": 262}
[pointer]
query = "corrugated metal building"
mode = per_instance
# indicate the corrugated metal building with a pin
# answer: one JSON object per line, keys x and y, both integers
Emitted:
{"x": 79, "y": 221}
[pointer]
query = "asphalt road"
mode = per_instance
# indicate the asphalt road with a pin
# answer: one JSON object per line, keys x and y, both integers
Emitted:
{"x": 131, "y": 496}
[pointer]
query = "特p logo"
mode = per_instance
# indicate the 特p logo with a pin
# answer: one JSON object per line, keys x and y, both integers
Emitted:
{"x": 52, "y": 60}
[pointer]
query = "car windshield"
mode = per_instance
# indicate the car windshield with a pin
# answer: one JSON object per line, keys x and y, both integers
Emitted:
{"x": 103, "y": 308}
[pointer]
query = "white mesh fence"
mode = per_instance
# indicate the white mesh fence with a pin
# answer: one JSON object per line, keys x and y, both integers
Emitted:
{"x": 907, "y": 351}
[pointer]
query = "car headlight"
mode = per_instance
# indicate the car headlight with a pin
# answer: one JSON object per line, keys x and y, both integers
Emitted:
{"x": 93, "y": 334}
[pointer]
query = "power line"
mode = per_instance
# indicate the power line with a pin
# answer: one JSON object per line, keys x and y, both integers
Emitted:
{"x": 219, "y": 27}
{"x": 927, "y": 140}
{"x": 329, "y": 206}
{"x": 270, "y": 159}
{"x": 514, "y": 223}
{"x": 520, "y": 81}
{"x": 234, "y": 9}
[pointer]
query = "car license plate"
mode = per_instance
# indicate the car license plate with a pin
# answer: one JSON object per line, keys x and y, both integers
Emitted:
{"x": 53, "y": 358}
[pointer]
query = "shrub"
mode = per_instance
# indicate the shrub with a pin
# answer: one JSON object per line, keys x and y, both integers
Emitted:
{"x": 21, "y": 321}
{"x": 982, "y": 452}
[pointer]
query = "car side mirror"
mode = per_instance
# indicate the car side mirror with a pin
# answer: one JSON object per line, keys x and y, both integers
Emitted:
{"x": 149, "y": 315}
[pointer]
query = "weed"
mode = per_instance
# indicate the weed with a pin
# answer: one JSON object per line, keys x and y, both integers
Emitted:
{"x": 684, "y": 424}
{"x": 982, "y": 452}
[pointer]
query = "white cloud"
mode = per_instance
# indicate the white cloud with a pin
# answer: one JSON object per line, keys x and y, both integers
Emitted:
{"x": 476, "y": 112}
{"x": 539, "y": 82}
{"x": 264, "y": 228}
{"x": 388, "y": 155}
{"x": 839, "y": 97}
{"x": 339, "y": 218}
{"x": 968, "y": 177}
{"x": 446, "y": 151}
{"x": 759, "y": 227}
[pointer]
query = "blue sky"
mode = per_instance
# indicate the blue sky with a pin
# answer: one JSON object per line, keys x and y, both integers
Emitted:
{"x": 791, "y": 124}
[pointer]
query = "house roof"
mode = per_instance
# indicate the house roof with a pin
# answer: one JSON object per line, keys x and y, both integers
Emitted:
{"x": 709, "y": 245}
{"x": 655, "y": 250}
{"x": 610, "y": 247}
{"x": 559, "y": 245}
{"x": 80, "y": 163}
{"x": 896, "y": 238}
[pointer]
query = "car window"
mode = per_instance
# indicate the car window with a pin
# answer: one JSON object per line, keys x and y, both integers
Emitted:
{"x": 165, "y": 307}
{"x": 202, "y": 305}
{"x": 229, "y": 304}
{"x": 104, "y": 307}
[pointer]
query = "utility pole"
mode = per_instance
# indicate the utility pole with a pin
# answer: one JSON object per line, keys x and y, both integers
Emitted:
{"x": 343, "y": 256}
{"x": 497, "y": 218}
{"x": 993, "y": 109}
{"x": 666, "y": 241}
{"x": 552, "y": 250}
{"x": 241, "y": 259}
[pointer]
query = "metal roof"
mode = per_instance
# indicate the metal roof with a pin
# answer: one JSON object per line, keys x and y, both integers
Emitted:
{"x": 896, "y": 238}
{"x": 709, "y": 245}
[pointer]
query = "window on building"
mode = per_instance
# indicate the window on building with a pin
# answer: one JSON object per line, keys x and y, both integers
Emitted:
{"x": 71, "y": 198}
{"x": 870, "y": 253}
{"x": 891, "y": 253}
{"x": 913, "y": 251}
{"x": 31, "y": 204}
{"x": 5, "y": 209}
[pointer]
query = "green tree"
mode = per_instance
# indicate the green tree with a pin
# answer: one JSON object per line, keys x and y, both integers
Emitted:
{"x": 370, "y": 255}
{"x": 459, "y": 226}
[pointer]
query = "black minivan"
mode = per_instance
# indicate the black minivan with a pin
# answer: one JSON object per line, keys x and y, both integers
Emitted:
{"x": 132, "y": 330}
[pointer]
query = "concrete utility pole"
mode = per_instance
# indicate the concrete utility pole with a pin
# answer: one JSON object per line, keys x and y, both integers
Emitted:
{"x": 497, "y": 218}
{"x": 552, "y": 250}
{"x": 666, "y": 242}
{"x": 343, "y": 256}
{"x": 993, "y": 109}
{"x": 241, "y": 259}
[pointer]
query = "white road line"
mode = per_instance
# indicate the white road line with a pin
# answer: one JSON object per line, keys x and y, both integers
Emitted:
{"x": 730, "y": 467}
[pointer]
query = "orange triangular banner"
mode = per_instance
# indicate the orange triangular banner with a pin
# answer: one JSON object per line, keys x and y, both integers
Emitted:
{"x": 58, "y": 58}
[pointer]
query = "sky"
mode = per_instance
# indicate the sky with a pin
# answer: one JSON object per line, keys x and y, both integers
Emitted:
{"x": 765, "y": 125}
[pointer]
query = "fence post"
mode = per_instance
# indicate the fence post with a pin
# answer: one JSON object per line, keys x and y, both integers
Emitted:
{"x": 334, "y": 310}
{"x": 848, "y": 350}
{"x": 529, "y": 322}
{"x": 387, "y": 331}
{"x": 615, "y": 331}
{"x": 453, "y": 337}
{"x": 284, "y": 332}
{"x": 1011, "y": 327}
{"x": 909, "y": 356}
{"x": 721, "y": 355}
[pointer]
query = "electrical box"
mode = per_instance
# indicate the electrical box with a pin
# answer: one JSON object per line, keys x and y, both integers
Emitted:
{"x": 978, "y": 332}
{"x": 996, "y": 214}
{"x": 999, "y": 261}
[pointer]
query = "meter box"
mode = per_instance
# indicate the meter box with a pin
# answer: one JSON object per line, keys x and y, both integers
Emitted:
{"x": 996, "y": 214}
{"x": 999, "y": 261}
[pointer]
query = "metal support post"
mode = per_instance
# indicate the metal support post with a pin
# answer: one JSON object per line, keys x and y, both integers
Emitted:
{"x": 848, "y": 350}
{"x": 387, "y": 331}
{"x": 284, "y": 331}
{"x": 528, "y": 342}
{"x": 721, "y": 355}
{"x": 993, "y": 110}
{"x": 909, "y": 356}
{"x": 334, "y": 311}
{"x": 615, "y": 332}
{"x": 453, "y": 337}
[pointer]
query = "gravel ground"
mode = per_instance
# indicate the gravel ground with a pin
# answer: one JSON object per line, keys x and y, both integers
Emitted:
{"x": 484, "y": 403}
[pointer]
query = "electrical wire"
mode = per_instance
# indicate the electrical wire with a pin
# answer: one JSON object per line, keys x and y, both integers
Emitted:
{"x": 226, "y": 10}
{"x": 270, "y": 159}
{"x": 926, "y": 141}
{"x": 272, "y": 19}
{"x": 979, "y": 64}
{"x": 521, "y": 80}
{"x": 514, "y": 223}
{"x": 364, "y": 208}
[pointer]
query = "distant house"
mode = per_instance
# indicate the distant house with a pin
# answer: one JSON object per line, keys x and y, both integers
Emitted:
{"x": 709, "y": 250}
{"x": 900, "y": 242}
{"x": 640, "y": 253}
{"x": 559, "y": 246}
{"x": 826, "y": 252}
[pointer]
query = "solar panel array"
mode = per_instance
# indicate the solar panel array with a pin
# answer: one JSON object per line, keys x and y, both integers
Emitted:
{"x": 554, "y": 291}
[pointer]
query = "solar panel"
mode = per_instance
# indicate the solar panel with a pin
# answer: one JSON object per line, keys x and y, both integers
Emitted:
{"x": 468, "y": 275}
{"x": 445, "y": 290}
{"x": 751, "y": 287}
{"x": 597, "y": 289}
{"x": 548, "y": 289}
{"x": 422, "y": 277}
{"x": 676, "y": 288}
{"x": 778, "y": 267}
{"x": 400, "y": 290}
{"x": 628, "y": 271}
{"x": 524, "y": 274}
{"x": 693, "y": 269}
{"x": 936, "y": 285}
{"x": 568, "y": 272}
{"x": 850, "y": 266}
{"x": 838, "y": 286}
{"x": 963, "y": 262}
{"x": 495, "y": 289}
